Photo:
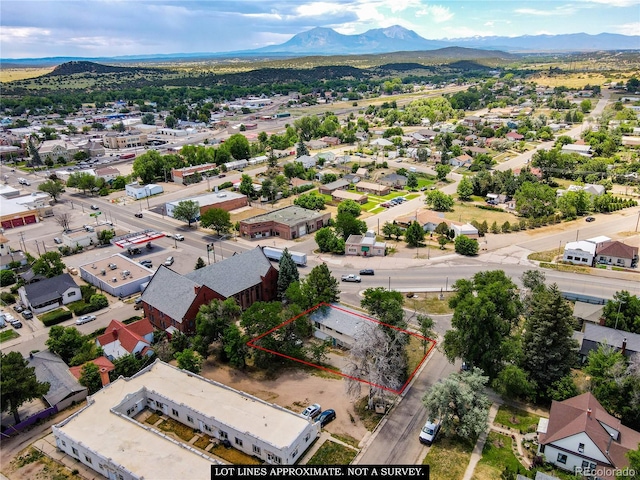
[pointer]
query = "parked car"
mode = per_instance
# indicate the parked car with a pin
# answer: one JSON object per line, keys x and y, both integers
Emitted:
{"x": 146, "y": 263}
{"x": 312, "y": 411}
{"x": 89, "y": 228}
{"x": 367, "y": 271}
{"x": 17, "y": 324}
{"x": 57, "y": 240}
{"x": 590, "y": 219}
{"x": 95, "y": 207}
{"x": 429, "y": 432}
{"x": 18, "y": 307}
{"x": 138, "y": 215}
{"x": 27, "y": 314}
{"x": 178, "y": 237}
{"x": 168, "y": 262}
{"x": 326, "y": 416}
{"x": 137, "y": 305}
{"x": 85, "y": 319}
{"x": 351, "y": 278}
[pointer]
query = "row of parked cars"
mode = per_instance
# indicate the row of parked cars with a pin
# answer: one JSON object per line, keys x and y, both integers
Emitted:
{"x": 393, "y": 202}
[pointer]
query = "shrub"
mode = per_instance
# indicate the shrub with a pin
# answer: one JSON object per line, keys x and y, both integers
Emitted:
{"x": 99, "y": 301}
{"x": 7, "y": 298}
{"x": 54, "y": 317}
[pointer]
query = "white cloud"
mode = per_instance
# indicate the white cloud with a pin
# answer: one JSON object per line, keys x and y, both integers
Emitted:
{"x": 10, "y": 34}
{"x": 615, "y": 3}
{"x": 551, "y": 12}
{"x": 319, "y": 8}
{"x": 438, "y": 13}
{"x": 628, "y": 28}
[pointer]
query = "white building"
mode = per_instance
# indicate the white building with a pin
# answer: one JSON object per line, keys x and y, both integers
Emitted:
{"x": 138, "y": 191}
{"x": 579, "y": 253}
{"x": 108, "y": 436}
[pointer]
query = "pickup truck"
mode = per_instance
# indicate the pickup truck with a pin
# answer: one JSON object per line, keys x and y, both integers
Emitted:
{"x": 350, "y": 278}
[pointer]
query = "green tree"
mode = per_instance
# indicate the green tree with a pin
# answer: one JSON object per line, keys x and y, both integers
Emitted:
{"x": 126, "y": 366}
{"x": 200, "y": 264}
{"x": 548, "y": 348}
{"x": 427, "y": 326}
{"x": 310, "y": 201}
{"x": 213, "y": 319}
{"x": 465, "y": 189}
{"x": 440, "y": 202}
{"x": 105, "y": 236}
{"x": 346, "y": 225}
{"x": 187, "y": 211}
{"x": 235, "y": 346}
{"x": 53, "y": 188}
{"x": 90, "y": 377}
{"x": 607, "y": 370}
{"x": 238, "y": 146}
{"x": 179, "y": 342}
{"x": 442, "y": 171}
{"x": 7, "y": 277}
{"x": 320, "y": 286}
{"x": 623, "y": 312}
{"x": 351, "y": 207}
{"x": 513, "y": 382}
{"x": 466, "y": 246}
{"x": 216, "y": 219}
{"x": 412, "y": 181}
{"x": 18, "y": 383}
{"x": 486, "y": 308}
{"x": 65, "y": 342}
{"x": 460, "y": 403}
{"x": 246, "y": 186}
{"x": 385, "y": 305}
{"x": 189, "y": 360}
{"x": 82, "y": 180}
{"x": 392, "y": 229}
{"x": 414, "y": 234}
{"x": 287, "y": 273}
{"x": 535, "y": 200}
{"x": 49, "y": 265}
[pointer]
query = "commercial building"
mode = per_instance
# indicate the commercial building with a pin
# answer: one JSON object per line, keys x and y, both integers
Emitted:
{"x": 184, "y": 176}
{"x": 365, "y": 245}
{"x": 223, "y": 200}
{"x": 116, "y": 275}
{"x": 24, "y": 210}
{"x": 138, "y": 191}
{"x": 288, "y": 223}
{"x": 110, "y": 437}
{"x": 117, "y": 140}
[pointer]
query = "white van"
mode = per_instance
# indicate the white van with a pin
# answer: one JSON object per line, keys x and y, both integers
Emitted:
{"x": 24, "y": 181}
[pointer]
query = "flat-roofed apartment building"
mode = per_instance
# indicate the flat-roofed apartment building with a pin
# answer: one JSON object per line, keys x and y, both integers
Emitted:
{"x": 110, "y": 437}
{"x": 288, "y": 223}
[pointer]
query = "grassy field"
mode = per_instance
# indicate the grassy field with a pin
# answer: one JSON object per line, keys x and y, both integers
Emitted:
{"x": 448, "y": 458}
{"x": 465, "y": 212}
{"x": 13, "y": 74}
{"x": 429, "y": 303}
{"x": 332, "y": 453}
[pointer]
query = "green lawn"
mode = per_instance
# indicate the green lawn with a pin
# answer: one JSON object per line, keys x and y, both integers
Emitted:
{"x": 332, "y": 453}
{"x": 448, "y": 458}
{"x": 8, "y": 335}
{"x": 497, "y": 456}
{"x": 517, "y": 419}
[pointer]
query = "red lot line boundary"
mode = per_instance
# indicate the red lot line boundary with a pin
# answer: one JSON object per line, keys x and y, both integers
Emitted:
{"x": 252, "y": 343}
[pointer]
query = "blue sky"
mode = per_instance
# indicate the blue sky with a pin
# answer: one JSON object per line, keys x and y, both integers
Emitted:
{"x": 105, "y": 28}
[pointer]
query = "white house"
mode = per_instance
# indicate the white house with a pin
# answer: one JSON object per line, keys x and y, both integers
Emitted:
{"x": 338, "y": 324}
{"x": 50, "y": 293}
{"x": 464, "y": 229}
{"x": 365, "y": 245}
{"x": 108, "y": 435}
{"x": 580, "y": 436}
{"x": 119, "y": 339}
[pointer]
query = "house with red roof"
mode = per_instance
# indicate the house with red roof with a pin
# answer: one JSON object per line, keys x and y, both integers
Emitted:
{"x": 514, "y": 136}
{"x": 119, "y": 339}
{"x": 580, "y": 436}
{"x": 103, "y": 364}
{"x": 618, "y": 254}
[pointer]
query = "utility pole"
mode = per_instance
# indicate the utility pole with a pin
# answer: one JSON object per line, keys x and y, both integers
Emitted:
{"x": 38, "y": 248}
{"x": 24, "y": 245}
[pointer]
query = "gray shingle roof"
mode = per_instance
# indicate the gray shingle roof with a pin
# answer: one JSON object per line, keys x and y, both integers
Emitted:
{"x": 291, "y": 216}
{"x": 233, "y": 274}
{"x": 595, "y": 335}
{"x": 170, "y": 292}
{"x": 340, "y": 318}
{"x": 49, "y": 367}
{"x": 49, "y": 289}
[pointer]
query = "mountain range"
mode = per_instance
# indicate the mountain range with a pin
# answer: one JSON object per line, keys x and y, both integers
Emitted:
{"x": 326, "y": 41}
